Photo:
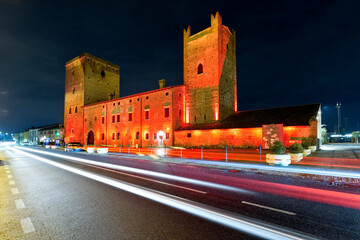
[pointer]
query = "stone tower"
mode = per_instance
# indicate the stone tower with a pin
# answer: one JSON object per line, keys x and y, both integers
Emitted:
{"x": 88, "y": 79}
{"x": 210, "y": 73}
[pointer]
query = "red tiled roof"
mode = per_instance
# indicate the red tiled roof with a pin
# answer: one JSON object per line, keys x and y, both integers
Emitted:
{"x": 289, "y": 116}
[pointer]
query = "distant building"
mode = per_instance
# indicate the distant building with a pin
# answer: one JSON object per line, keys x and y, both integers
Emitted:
{"x": 50, "y": 133}
{"x": 203, "y": 111}
{"x": 34, "y": 136}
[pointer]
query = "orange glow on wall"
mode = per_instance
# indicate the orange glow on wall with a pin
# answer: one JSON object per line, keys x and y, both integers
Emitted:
{"x": 216, "y": 114}
{"x": 187, "y": 116}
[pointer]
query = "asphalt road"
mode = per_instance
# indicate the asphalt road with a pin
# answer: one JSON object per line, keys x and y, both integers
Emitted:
{"x": 42, "y": 200}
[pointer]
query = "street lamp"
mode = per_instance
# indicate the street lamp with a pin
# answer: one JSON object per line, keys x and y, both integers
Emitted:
{"x": 338, "y": 106}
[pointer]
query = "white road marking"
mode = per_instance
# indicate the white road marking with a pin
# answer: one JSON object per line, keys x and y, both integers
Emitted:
{"x": 6, "y": 167}
{"x": 11, "y": 182}
{"x": 148, "y": 179}
{"x": 7, "y": 171}
{"x": 269, "y": 208}
{"x": 27, "y": 225}
{"x": 19, "y": 204}
{"x": 9, "y": 176}
{"x": 14, "y": 191}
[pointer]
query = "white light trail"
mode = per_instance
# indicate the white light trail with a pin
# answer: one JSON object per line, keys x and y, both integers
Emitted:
{"x": 141, "y": 171}
{"x": 222, "y": 217}
{"x": 319, "y": 172}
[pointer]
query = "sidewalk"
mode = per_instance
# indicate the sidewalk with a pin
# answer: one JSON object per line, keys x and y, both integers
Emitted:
{"x": 345, "y": 157}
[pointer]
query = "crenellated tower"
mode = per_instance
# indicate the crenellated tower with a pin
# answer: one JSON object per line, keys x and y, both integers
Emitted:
{"x": 88, "y": 79}
{"x": 210, "y": 73}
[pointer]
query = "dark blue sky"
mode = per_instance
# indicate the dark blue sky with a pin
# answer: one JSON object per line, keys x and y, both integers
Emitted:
{"x": 288, "y": 52}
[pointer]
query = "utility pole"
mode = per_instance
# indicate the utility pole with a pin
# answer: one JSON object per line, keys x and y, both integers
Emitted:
{"x": 338, "y": 106}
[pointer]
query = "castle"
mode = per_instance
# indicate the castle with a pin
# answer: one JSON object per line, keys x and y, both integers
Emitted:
{"x": 203, "y": 111}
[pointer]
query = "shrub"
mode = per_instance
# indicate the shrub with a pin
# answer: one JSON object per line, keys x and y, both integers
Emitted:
{"x": 305, "y": 143}
{"x": 312, "y": 140}
{"x": 277, "y": 148}
{"x": 296, "y": 148}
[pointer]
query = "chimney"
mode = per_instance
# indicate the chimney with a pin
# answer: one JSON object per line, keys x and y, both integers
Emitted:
{"x": 162, "y": 83}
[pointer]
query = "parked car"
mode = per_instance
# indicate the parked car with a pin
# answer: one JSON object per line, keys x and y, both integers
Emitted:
{"x": 74, "y": 147}
{"x": 51, "y": 145}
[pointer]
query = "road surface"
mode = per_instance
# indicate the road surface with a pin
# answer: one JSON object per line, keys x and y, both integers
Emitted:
{"x": 53, "y": 197}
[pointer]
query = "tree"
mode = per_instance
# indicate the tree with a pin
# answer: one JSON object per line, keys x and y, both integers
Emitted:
{"x": 356, "y": 136}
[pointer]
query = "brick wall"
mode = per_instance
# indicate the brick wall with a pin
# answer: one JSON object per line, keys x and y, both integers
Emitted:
{"x": 88, "y": 79}
{"x": 219, "y": 137}
{"x": 237, "y": 137}
{"x": 155, "y": 102}
{"x": 209, "y": 49}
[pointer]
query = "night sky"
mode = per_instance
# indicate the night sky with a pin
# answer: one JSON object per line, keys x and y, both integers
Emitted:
{"x": 288, "y": 52}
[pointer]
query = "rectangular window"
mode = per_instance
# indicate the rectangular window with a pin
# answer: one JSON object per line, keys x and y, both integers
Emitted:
{"x": 137, "y": 135}
{"x": 189, "y": 135}
{"x": 155, "y": 136}
{"x": 118, "y": 136}
{"x": 113, "y": 118}
{"x": 103, "y": 136}
{"x": 113, "y": 136}
{"x": 147, "y": 115}
{"x": 102, "y": 120}
{"x": 167, "y": 112}
{"x": 118, "y": 118}
{"x": 167, "y": 135}
{"x": 147, "y": 135}
{"x": 130, "y": 117}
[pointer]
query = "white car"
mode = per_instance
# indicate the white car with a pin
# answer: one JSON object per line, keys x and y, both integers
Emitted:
{"x": 51, "y": 145}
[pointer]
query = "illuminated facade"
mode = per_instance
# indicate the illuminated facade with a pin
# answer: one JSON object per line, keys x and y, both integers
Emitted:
{"x": 203, "y": 111}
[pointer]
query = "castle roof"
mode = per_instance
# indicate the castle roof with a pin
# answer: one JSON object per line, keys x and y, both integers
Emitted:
{"x": 88, "y": 55}
{"x": 288, "y": 116}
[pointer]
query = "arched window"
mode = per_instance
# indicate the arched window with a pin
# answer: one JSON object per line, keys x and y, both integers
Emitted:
{"x": 75, "y": 109}
{"x": 69, "y": 110}
{"x": 200, "y": 68}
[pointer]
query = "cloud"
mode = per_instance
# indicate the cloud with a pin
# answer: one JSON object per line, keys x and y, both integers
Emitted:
{"x": 4, "y": 112}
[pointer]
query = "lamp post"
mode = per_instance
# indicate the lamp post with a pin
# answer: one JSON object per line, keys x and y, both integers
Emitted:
{"x": 338, "y": 107}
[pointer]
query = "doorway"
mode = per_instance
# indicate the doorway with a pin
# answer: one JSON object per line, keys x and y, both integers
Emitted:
{"x": 90, "y": 138}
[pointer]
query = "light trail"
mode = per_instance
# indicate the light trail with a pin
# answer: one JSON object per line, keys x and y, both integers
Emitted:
{"x": 253, "y": 227}
{"x": 141, "y": 171}
{"x": 216, "y": 155}
{"x": 144, "y": 178}
{"x": 247, "y": 186}
{"x": 320, "y": 172}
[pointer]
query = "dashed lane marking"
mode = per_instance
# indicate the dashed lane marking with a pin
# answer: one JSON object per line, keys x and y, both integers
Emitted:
{"x": 8, "y": 171}
{"x": 19, "y": 204}
{"x": 269, "y": 208}
{"x": 9, "y": 176}
{"x": 11, "y": 182}
{"x": 27, "y": 225}
{"x": 14, "y": 191}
